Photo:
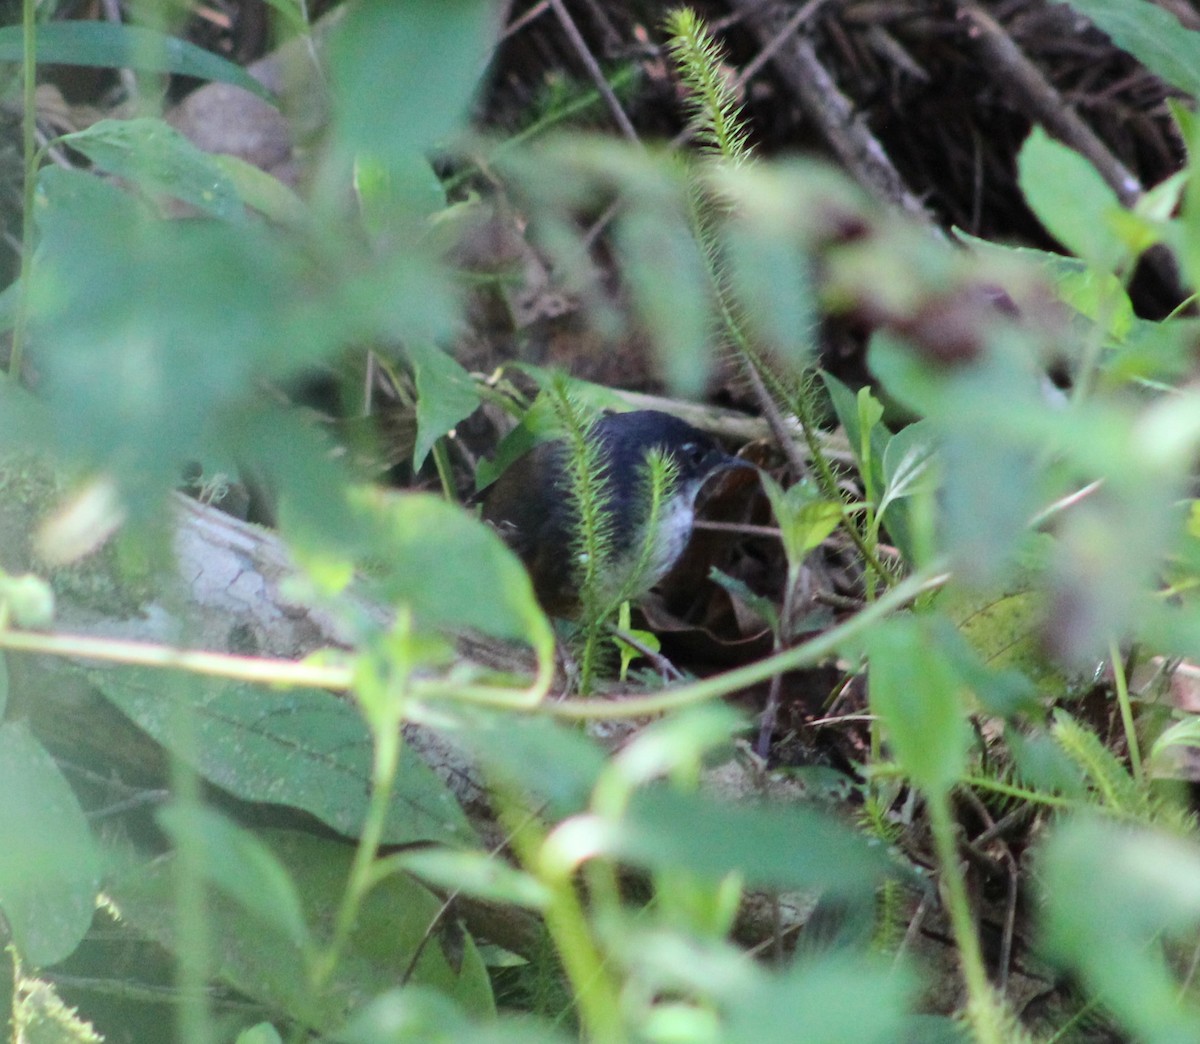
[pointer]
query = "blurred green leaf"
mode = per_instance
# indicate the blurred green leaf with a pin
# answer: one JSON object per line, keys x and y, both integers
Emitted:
{"x": 1071, "y": 200}
{"x": 304, "y": 748}
{"x": 556, "y": 764}
{"x": 780, "y": 847}
{"x": 669, "y": 286}
{"x": 155, "y": 156}
{"x": 1152, "y": 35}
{"x": 450, "y": 568}
{"x": 404, "y": 73}
{"x": 916, "y": 694}
{"x": 110, "y": 45}
{"x": 417, "y": 1015}
{"x": 238, "y": 864}
{"x": 391, "y": 932}
{"x": 1147, "y": 885}
{"x": 1042, "y": 763}
{"x": 263, "y": 192}
{"x": 478, "y": 874}
{"x": 771, "y": 274}
{"x": 263, "y": 1033}
{"x": 842, "y": 998}
{"x": 445, "y": 395}
{"x": 49, "y": 870}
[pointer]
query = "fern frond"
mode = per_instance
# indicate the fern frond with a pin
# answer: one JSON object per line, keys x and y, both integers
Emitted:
{"x": 711, "y": 102}
{"x": 593, "y": 536}
{"x": 1115, "y": 789}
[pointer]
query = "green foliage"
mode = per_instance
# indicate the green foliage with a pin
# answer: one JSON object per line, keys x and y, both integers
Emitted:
{"x": 1049, "y": 526}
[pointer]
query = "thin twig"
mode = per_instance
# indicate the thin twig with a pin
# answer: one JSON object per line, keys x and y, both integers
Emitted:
{"x": 847, "y": 133}
{"x": 622, "y": 120}
{"x": 1043, "y": 104}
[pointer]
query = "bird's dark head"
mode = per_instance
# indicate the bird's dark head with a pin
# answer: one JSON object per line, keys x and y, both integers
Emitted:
{"x": 533, "y": 507}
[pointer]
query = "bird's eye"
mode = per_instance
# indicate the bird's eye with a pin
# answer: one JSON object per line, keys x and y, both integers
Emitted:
{"x": 694, "y": 452}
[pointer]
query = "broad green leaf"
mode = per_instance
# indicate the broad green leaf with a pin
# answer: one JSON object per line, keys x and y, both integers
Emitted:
{"x": 916, "y": 694}
{"x": 839, "y": 998}
{"x": 770, "y": 269}
{"x": 445, "y": 395}
{"x": 558, "y": 765}
{"x": 110, "y": 46}
{"x": 241, "y": 866}
{"x": 404, "y": 74}
{"x": 907, "y": 464}
{"x": 49, "y": 869}
{"x": 263, "y": 192}
{"x": 304, "y": 748}
{"x": 1152, "y": 35}
{"x": 669, "y": 286}
{"x": 391, "y": 932}
{"x": 419, "y": 1015}
{"x": 1070, "y": 199}
{"x": 478, "y": 874}
{"x": 263, "y": 1033}
{"x": 392, "y": 196}
{"x": 1148, "y": 885}
{"x": 451, "y": 569}
{"x": 804, "y": 517}
{"x": 790, "y": 847}
{"x": 155, "y": 156}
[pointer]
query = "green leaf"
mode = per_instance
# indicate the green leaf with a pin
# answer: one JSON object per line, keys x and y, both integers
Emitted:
{"x": 49, "y": 869}
{"x": 419, "y": 1015}
{"x": 241, "y": 867}
{"x": 557, "y": 764}
{"x": 842, "y": 998}
{"x": 478, "y": 874}
{"x": 154, "y": 155}
{"x": 1152, "y": 35}
{"x": 305, "y": 748}
{"x": 846, "y": 406}
{"x": 1184, "y": 733}
{"x": 669, "y": 286}
{"x": 804, "y": 517}
{"x": 263, "y": 1033}
{"x": 915, "y": 692}
{"x": 770, "y": 270}
{"x": 110, "y": 46}
{"x": 1071, "y": 200}
{"x": 907, "y": 464}
{"x": 445, "y": 395}
{"x": 263, "y": 192}
{"x": 1148, "y": 885}
{"x": 783, "y": 847}
{"x": 395, "y": 938}
{"x": 451, "y": 569}
{"x": 404, "y": 73}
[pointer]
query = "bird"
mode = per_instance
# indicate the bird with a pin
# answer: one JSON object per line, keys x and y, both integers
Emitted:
{"x": 532, "y": 506}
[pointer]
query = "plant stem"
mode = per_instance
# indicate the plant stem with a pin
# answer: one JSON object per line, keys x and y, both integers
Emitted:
{"x": 1122, "y": 686}
{"x": 803, "y": 655}
{"x": 596, "y": 992}
{"x": 984, "y": 1010}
